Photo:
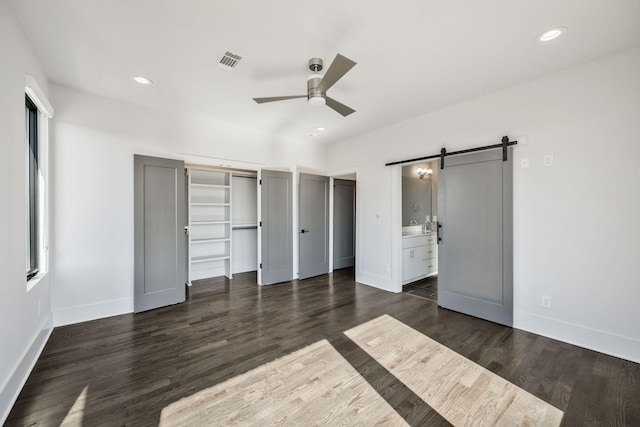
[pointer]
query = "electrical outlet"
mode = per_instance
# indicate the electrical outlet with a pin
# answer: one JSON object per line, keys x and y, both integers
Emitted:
{"x": 547, "y": 160}
{"x": 387, "y": 268}
{"x": 524, "y": 162}
{"x": 546, "y": 301}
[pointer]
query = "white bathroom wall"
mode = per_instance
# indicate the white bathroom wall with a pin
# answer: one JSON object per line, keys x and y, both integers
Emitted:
{"x": 25, "y": 315}
{"x": 95, "y": 139}
{"x": 576, "y": 237}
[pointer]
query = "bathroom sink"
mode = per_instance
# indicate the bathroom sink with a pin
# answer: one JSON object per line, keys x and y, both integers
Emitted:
{"x": 415, "y": 230}
{"x": 412, "y": 230}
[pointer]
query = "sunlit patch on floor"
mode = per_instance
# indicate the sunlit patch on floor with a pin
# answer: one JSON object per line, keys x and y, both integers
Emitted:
{"x": 314, "y": 385}
{"x": 76, "y": 413}
{"x": 463, "y": 392}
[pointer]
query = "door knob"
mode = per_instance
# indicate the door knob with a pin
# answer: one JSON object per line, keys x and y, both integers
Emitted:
{"x": 304, "y": 231}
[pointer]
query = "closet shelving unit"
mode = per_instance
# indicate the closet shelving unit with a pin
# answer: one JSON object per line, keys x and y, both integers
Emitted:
{"x": 209, "y": 223}
{"x": 244, "y": 222}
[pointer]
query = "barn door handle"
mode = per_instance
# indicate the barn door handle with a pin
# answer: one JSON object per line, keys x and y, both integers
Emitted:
{"x": 438, "y": 232}
{"x": 304, "y": 231}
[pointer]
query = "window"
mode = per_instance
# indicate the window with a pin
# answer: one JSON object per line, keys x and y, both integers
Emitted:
{"x": 37, "y": 112}
{"x": 32, "y": 190}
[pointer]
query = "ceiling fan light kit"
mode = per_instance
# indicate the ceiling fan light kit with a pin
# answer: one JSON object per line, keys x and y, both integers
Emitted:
{"x": 318, "y": 84}
{"x": 317, "y": 101}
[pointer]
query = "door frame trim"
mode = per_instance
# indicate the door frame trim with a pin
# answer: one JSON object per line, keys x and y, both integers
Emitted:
{"x": 396, "y": 227}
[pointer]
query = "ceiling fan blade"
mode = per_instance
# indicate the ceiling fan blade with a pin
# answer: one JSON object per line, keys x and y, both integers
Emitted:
{"x": 340, "y": 108}
{"x": 277, "y": 98}
{"x": 338, "y": 68}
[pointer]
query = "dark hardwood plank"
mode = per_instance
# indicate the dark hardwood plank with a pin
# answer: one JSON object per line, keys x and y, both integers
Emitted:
{"x": 132, "y": 366}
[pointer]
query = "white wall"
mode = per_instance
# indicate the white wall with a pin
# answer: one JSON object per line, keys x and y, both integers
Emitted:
{"x": 94, "y": 141}
{"x": 22, "y": 331}
{"x": 576, "y": 234}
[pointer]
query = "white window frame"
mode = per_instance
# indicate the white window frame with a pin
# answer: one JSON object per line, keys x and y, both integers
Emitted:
{"x": 45, "y": 112}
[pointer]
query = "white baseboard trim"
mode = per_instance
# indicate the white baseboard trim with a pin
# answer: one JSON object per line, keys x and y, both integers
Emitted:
{"x": 593, "y": 339}
{"x": 18, "y": 377}
{"x": 83, "y": 313}
{"x": 375, "y": 281}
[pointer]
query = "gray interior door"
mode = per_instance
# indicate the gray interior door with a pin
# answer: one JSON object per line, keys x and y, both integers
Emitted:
{"x": 344, "y": 221}
{"x": 159, "y": 224}
{"x": 314, "y": 225}
{"x": 475, "y": 253}
{"x": 277, "y": 227}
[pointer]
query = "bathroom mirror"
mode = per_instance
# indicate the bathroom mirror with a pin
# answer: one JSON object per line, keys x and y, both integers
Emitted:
{"x": 418, "y": 192}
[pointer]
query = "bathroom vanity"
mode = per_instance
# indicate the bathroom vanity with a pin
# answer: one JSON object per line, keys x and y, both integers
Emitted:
{"x": 419, "y": 256}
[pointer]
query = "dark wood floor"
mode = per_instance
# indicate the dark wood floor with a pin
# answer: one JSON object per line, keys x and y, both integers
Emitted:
{"x": 424, "y": 288}
{"x": 134, "y": 365}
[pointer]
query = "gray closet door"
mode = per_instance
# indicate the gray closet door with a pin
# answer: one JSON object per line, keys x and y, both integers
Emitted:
{"x": 344, "y": 222}
{"x": 314, "y": 225}
{"x": 159, "y": 226}
{"x": 475, "y": 253}
{"x": 277, "y": 227}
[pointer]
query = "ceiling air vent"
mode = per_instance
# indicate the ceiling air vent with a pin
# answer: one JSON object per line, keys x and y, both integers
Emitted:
{"x": 230, "y": 61}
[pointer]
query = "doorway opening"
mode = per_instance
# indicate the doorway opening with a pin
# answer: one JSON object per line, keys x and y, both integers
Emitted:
{"x": 343, "y": 230}
{"x": 222, "y": 222}
{"x": 419, "y": 237}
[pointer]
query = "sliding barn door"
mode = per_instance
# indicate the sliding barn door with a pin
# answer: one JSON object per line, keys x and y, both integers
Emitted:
{"x": 159, "y": 225}
{"x": 475, "y": 256}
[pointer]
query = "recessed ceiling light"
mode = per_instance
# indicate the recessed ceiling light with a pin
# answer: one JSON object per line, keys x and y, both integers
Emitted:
{"x": 142, "y": 80}
{"x": 320, "y": 129}
{"x": 551, "y": 34}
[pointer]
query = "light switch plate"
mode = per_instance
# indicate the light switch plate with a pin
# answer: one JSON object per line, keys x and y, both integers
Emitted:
{"x": 524, "y": 162}
{"x": 547, "y": 160}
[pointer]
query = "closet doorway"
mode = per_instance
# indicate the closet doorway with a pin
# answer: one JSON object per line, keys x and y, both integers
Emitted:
{"x": 344, "y": 222}
{"x": 223, "y": 221}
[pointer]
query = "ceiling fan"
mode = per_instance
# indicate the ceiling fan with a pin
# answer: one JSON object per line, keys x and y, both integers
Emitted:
{"x": 317, "y": 84}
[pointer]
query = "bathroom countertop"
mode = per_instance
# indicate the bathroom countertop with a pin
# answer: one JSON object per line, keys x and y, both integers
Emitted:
{"x": 427, "y": 233}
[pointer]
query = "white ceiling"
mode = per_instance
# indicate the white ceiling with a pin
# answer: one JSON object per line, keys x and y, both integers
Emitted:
{"x": 413, "y": 56}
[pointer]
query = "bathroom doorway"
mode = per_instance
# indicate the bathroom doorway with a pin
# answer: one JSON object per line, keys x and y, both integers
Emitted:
{"x": 419, "y": 240}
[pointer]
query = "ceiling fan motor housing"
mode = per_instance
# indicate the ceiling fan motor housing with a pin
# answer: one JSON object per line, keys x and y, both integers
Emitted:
{"x": 315, "y": 65}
